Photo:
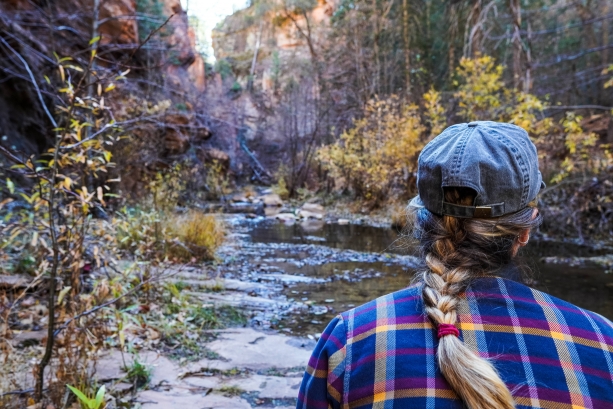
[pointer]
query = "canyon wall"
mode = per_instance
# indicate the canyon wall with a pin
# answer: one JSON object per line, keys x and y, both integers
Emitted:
{"x": 278, "y": 37}
{"x": 65, "y": 27}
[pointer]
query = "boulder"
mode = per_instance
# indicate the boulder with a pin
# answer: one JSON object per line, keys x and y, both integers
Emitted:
{"x": 240, "y": 198}
{"x": 305, "y": 214}
{"x": 314, "y": 208}
{"x": 213, "y": 155}
{"x": 343, "y": 221}
{"x": 285, "y": 217}
{"x": 272, "y": 200}
{"x": 241, "y": 207}
{"x": 115, "y": 30}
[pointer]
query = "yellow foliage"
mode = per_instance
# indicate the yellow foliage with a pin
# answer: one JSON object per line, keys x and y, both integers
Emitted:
{"x": 435, "y": 112}
{"x": 195, "y": 235}
{"x": 565, "y": 148}
{"x": 281, "y": 187}
{"x": 481, "y": 89}
{"x": 379, "y": 151}
{"x": 581, "y": 157}
{"x": 217, "y": 181}
{"x": 608, "y": 70}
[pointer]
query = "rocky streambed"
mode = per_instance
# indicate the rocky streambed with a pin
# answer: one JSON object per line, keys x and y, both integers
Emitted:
{"x": 290, "y": 279}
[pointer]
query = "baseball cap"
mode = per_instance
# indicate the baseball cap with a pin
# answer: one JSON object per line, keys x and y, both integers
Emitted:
{"x": 497, "y": 160}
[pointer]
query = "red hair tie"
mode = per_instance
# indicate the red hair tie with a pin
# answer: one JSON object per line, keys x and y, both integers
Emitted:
{"x": 447, "y": 329}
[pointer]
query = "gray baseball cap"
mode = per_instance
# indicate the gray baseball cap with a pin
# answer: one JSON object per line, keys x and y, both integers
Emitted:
{"x": 497, "y": 160}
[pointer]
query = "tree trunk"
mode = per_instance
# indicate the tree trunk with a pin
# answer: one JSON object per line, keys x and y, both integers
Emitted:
{"x": 515, "y": 8}
{"x": 407, "y": 50}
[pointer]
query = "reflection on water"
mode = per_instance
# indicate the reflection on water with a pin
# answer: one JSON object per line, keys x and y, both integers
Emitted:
{"x": 350, "y": 236}
{"x": 587, "y": 287}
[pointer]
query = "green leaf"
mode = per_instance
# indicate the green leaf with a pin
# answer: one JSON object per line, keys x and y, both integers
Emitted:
{"x": 79, "y": 394}
{"x": 94, "y": 40}
{"x": 100, "y": 397}
{"x": 10, "y": 185}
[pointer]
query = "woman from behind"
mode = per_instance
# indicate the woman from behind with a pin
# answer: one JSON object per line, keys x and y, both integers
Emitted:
{"x": 466, "y": 333}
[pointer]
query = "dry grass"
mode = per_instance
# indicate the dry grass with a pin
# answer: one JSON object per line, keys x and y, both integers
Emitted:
{"x": 195, "y": 235}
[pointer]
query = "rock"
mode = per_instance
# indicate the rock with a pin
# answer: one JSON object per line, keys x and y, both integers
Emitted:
{"x": 212, "y": 155}
{"x": 343, "y": 221}
{"x": 251, "y": 349}
{"x": 240, "y": 199}
{"x": 269, "y": 387}
{"x": 108, "y": 367}
{"x": 247, "y": 207}
{"x": 305, "y": 214}
{"x": 14, "y": 281}
{"x": 314, "y": 208}
{"x": 285, "y": 217}
{"x": 122, "y": 387}
{"x": 186, "y": 66}
{"x": 272, "y": 199}
{"x": 176, "y": 138}
{"x": 181, "y": 129}
{"x": 184, "y": 399}
{"x": 116, "y": 30}
{"x": 28, "y": 338}
{"x": 272, "y": 211}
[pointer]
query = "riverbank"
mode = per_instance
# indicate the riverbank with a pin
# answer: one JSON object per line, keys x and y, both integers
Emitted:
{"x": 280, "y": 281}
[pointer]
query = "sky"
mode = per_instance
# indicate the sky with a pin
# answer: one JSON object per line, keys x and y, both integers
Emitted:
{"x": 210, "y": 12}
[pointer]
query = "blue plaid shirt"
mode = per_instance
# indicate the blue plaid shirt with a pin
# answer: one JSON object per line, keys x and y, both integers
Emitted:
{"x": 551, "y": 354}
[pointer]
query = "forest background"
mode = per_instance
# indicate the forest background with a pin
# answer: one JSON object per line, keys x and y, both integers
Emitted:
{"x": 118, "y": 137}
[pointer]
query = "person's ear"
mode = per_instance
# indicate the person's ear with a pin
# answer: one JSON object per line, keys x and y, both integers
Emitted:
{"x": 523, "y": 237}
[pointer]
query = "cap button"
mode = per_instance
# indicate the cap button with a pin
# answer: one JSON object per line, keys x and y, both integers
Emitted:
{"x": 473, "y": 123}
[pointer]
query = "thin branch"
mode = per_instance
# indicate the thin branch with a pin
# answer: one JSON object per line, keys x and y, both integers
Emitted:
{"x": 150, "y": 35}
{"x": 565, "y": 107}
{"x": 27, "y": 67}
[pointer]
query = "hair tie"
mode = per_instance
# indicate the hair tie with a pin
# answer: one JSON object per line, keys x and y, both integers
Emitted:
{"x": 447, "y": 329}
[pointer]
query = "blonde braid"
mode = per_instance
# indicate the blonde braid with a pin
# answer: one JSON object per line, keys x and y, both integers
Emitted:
{"x": 474, "y": 379}
{"x": 456, "y": 251}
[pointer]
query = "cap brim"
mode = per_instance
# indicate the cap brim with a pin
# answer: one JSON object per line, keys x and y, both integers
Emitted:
{"x": 416, "y": 203}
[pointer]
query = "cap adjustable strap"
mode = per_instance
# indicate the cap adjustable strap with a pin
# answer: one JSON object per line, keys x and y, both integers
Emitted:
{"x": 468, "y": 212}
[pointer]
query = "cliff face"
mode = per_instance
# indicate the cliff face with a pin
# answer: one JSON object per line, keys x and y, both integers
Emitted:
{"x": 279, "y": 35}
{"x": 65, "y": 27}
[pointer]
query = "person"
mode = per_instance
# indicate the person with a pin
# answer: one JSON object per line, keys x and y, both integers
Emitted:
{"x": 465, "y": 334}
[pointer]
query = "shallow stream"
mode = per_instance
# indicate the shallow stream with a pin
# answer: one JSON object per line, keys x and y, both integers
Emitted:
{"x": 338, "y": 286}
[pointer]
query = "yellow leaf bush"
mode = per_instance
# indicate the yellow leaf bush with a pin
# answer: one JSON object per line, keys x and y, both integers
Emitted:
{"x": 378, "y": 152}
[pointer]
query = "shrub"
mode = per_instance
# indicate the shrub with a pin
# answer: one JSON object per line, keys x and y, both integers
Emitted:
{"x": 378, "y": 152}
{"x": 194, "y": 235}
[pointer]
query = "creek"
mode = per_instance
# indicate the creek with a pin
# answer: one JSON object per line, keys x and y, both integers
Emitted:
{"x": 378, "y": 261}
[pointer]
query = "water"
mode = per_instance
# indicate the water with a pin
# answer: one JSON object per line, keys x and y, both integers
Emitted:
{"x": 353, "y": 283}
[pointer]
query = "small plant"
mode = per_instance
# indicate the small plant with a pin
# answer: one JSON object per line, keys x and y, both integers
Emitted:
{"x": 216, "y": 181}
{"x": 281, "y": 187}
{"x": 95, "y": 402}
{"x": 138, "y": 373}
{"x": 231, "y": 390}
{"x": 196, "y": 235}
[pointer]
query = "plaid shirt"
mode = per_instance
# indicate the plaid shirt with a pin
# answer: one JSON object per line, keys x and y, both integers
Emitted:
{"x": 551, "y": 354}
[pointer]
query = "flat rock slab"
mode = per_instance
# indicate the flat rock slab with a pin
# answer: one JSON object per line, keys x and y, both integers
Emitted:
{"x": 14, "y": 281}
{"x": 240, "y": 299}
{"x": 185, "y": 400}
{"x": 269, "y": 387}
{"x": 250, "y": 349}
